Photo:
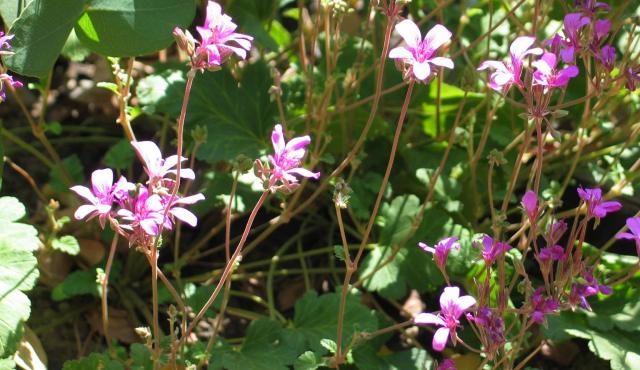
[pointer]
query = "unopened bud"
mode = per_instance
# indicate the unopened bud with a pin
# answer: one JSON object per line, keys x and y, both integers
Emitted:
{"x": 184, "y": 40}
{"x": 199, "y": 134}
{"x": 143, "y": 332}
{"x": 242, "y": 163}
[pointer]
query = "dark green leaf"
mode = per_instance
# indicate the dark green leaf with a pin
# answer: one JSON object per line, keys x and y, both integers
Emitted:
{"x": 238, "y": 117}
{"x": 120, "y": 156}
{"x": 40, "y": 32}
{"x": 77, "y": 283}
{"x": 122, "y": 28}
{"x": 74, "y": 167}
{"x": 73, "y": 48}
{"x": 93, "y": 361}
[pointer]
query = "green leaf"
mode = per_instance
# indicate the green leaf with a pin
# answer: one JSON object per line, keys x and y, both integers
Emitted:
{"x": 238, "y": 118}
{"x": 40, "y": 32}
{"x": 74, "y": 167}
{"x": 18, "y": 273}
{"x": 120, "y": 156}
{"x": 308, "y": 361}
{"x": 316, "y": 318}
{"x": 397, "y": 218}
{"x": 77, "y": 283}
{"x": 123, "y": 28}
{"x": 264, "y": 348}
{"x": 621, "y": 349}
{"x": 388, "y": 280}
{"x": 10, "y": 10}
{"x": 67, "y": 244}
{"x": 73, "y": 48}
{"x": 93, "y": 361}
{"x": 11, "y": 209}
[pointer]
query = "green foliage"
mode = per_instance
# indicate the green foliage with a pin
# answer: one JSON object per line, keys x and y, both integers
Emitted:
{"x": 237, "y": 117}
{"x": 94, "y": 361}
{"x": 316, "y": 318}
{"x": 121, "y": 28}
{"x": 40, "y": 32}
{"x": 74, "y": 168}
{"x": 18, "y": 273}
{"x": 77, "y": 283}
{"x": 120, "y": 156}
{"x": 67, "y": 244}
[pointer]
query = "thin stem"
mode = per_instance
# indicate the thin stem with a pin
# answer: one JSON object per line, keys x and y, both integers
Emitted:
{"x": 345, "y": 285}
{"x": 104, "y": 284}
{"x": 154, "y": 291}
{"x": 385, "y": 180}
{"x": 229, "y": 267}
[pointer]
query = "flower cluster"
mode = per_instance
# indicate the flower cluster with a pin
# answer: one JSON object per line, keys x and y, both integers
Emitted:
{"x": 136, "y": 211}
{"x": 5, "y": 78}
{"x": 418, "y": 56}
{"x": 286, "y": 161}
{"x": 218, "y": 40}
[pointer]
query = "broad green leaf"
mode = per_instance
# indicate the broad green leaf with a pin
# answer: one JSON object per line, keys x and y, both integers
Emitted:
{"x": 67, "y": 244}
{"x": 238, "y": 115}
{"x": 397, "y": 217}
{"x": 93, "y": 361}
{"x": 123, "y": 28}
{"x": 73, "y": 48}
{"x": 308, "y": 361}
{"x": 387, "y": 280}
{"x": 11, "y": 9}
{"x": 316, "y": 318}
{"x": 40, "y": 32}
{"x": 18, "y": 273}
{"x": 120, "y": 156}
{"x": 11, "y": 209}
{"x": 77, "y": 283}
{"x": 263, "y": 349}
{"x": 621, "y": 349}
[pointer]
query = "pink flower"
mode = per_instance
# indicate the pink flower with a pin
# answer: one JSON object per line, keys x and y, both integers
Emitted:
{"x": 447, "y": 364}
{"x": 492, "y": 323}
{"x": 219, "y": 39}
{"x": 286, "y": 161}
{"x": 4, "y": 42}
{"x": 601, "y": 29}
{"x": 589, "y": 7}
{"x": 491, "y": 249}
{"x": 179, "y": 212}
{"x": 573, "y": 23}
{"x": 147, "y": 213}
{"x": 419, "y": 53}
{"x": 546, "y": 74}
{"x": 441, "y": 250}
{"x": 633, "y": 224}
{"x": 554, "y": 253}
{"x": 505, "y": 75}
{"x": 4, "y": 80}
{"x": 101, "y": 196}
{"x": 606, "y": 56}
{"x": 586, "y": 286}
{"x": 632, "y": 75}
{"x": 596, "y": 207}
{"x": 542, "y": 306}
{"x": 452, "y": 306}
{"x": 530, "y": 204}
{"x": 157, "y": 167}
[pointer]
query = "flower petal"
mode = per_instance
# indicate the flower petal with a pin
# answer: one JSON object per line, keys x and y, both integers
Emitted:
{"x": 421, "y": 70}
{"x": 400, "y": 53}
{"x": 83, "y": 211}
{"x": 409, "y": 32}
{"x": 442, "y": 62}
{"x": 184, "y": 215}
{"x": 440, "y": 339}
{"x": 437, "y": 36}
{"x": 428, "y": 319}
{"x": 520, "y": 45}
{"x": 84, "y": 192}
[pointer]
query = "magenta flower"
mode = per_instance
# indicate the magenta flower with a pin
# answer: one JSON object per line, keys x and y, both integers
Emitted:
{"x": 451, "y": 307}
{"x": 589, "y": 7}
{"x": 155, "y": 166}
{"x": 4, "y": 43}
{"x": 542, "y": 306}
{"x": 491, "y": 249}
{"x": 505, "y": 75}
{"x": 573, "y": 23}
{"x": 633, "y": 224}
{"x": 182, "y": 213}
{"x": 530, "y": 204}
{"x": 6, "y": 79}
{"x": 607, "y": 57}
{"x": 632, "y": 75}
{"x": 492, "y": 323}
{"x": 546, "y": 74}
{"x": 560, "y": 46}
{"x": 447, "y": 364}
{"x": 554, "y": 253}
{"x": 601, "y": 29}
{"x": 219, "y": 39}
{"x": 101, "y": 196}
{"x": 419, "y": 53}
{"x": 441, "y": 250}
{"x": 147, "y": 213}
{"x": 286, "y": 161}
{"x": 595, "y": 206}
{"x": 586, "y": 286}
